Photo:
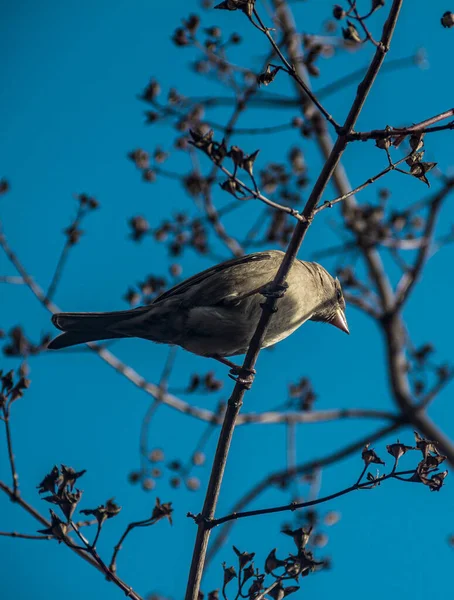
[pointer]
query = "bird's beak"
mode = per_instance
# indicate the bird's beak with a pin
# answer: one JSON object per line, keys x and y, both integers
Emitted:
{"x": 340, "y": 321}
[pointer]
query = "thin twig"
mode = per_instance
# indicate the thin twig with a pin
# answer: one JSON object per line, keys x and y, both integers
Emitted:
{"x": 12, "y": 462}
{"x": 294, "y": 74}
{"x": 25, "y": 536}
{"x": 422, "y": 127}
{"x": 144, "y": 523}
{"x": 281, "y": 477}
{"x": 298, "y": 505}
{"x": 12, "y": 280}
{"x": 360, "y": 188}
{"x": 257, "y": 194}
{"x": 81, "y": 212}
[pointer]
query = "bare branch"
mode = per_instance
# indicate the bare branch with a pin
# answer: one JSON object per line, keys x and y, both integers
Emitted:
{"x": 236, "y": 399}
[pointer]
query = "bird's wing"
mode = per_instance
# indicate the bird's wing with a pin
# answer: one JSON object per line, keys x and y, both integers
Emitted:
{"x": 208, "y": 288}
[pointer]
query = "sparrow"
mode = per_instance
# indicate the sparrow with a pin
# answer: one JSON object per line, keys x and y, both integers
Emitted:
{"x": 215, "y": 313}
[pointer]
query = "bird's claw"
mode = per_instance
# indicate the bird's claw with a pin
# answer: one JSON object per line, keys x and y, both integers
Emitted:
{"x": 244, "y": 381}
{"x": 243, "y": 376}
{"x": 277, "y": 292}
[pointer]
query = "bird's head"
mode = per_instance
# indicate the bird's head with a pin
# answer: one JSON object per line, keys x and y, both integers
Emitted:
{"x": 331, "y": 307}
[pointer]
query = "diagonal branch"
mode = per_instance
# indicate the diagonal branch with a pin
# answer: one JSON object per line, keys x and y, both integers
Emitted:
{"x": 279, "y": 477}
{"x": 236, "y": 399}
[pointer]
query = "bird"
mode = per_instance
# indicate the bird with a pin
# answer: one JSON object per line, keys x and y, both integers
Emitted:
{"x": 215, "y": 313}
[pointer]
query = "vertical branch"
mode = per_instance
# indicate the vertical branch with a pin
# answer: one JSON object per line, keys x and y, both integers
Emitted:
{"x": 236, "y": 399}
{"x": 398, "y": 379}
{"x": 9, "y": 443}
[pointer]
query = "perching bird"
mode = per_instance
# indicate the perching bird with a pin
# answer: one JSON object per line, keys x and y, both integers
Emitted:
{"x": 215, "y": 313}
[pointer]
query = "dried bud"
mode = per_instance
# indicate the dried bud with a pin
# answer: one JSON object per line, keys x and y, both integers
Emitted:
{"x": 180, "y": 37}
{"x": 66, "y": 501}
{"x": 148, "y": 484}
{"x": 232, "y": 187}
{"x": 152, "y": 91}
{"x": 49, "y": 483}
{"x": 248, "y": 162}
{"x": 151, "y": 117}
{"x": 384, "y": 143}
{"x": 247, "y": 6}
{"x": 350, "y": 33}
{"x": 419, "y": 170}
{"x": 132, "y": 297}
{"x": 244, "y": 557}
{"x": 437, "y": 480}
{"x": 267, "y": 76}
{"x": 272, "y": 562}
{"x": 104, "y": 511}
{"x": 338, "y": 12}
{"x": 229, "y": 574}
{"x": 162, "y": 511}
{"x": 140, "y": 158}
{"x": 134, "y": 477}
{"x": 192, "y": 23}
{"x": 447, "y": 20}
{"x": 300, "y": 536}
{"x": 149, "y": 175}
{"x": 369, "y": 456}
{"x": 416, "y": 141}
{"x": 237, "y": 155}
{"x": 377, "y": 4}
{"x": 332, "y": 518}
{"x": 397, "y": 450}
{"x": 57, "y": 528}
{"x": 160, "y": 156}
{"x": 156, "y": 455}
{"x": 426, "y": 446}
{"x": 193, "y": 483}
{"x": 198, "y": 459}
{"x": 4, "y": 186}
{"x": 432, "y": 462}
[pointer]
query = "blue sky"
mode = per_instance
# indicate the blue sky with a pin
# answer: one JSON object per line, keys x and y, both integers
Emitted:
{"x": 70, "y": 79}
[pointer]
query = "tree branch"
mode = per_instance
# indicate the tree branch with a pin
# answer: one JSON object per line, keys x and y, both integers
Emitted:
{"x": 236, "y": 400}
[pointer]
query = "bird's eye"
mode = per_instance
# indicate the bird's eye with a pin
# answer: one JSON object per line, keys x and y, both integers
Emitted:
{"x": 339, "y": 295}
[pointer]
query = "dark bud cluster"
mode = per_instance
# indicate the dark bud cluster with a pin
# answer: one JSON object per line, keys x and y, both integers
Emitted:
{"x": 177, "y": 472}
{"x": 301, "y": 395}
{"x": 142, "y": 160}
{"x": 4, "y": 186}
{"x": 204, "y": 383}
{"x": 351, "y": 33}
{"x": 447, "y": 20}
{"x": 146, "y": 291}
{"x": 17, "y": 344}
{"x": 425, "y": 372}
{"x": 179, "y": 234}
{"x": 86, "y": 204}
{"x": 426, "y": 472}
{"x": 268, "y": 75}
{"x": 12, "y": 388}
{"x": 139, "y": 228}
{"x": 246, "y": 6}
{"x": 59, "y": 485}
{"x": 61, "y": 490}
{"x": 276, "y": 573}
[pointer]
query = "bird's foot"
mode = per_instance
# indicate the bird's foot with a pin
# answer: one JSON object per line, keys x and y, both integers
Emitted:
{"x": 278, "y": 292}
{"x": 237, "y": 372}
{"x": 241, "y": 375}
{"x": 245, "y": 377}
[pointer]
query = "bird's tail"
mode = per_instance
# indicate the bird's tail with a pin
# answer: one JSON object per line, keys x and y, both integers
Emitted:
{"x": 79, "y": 328}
